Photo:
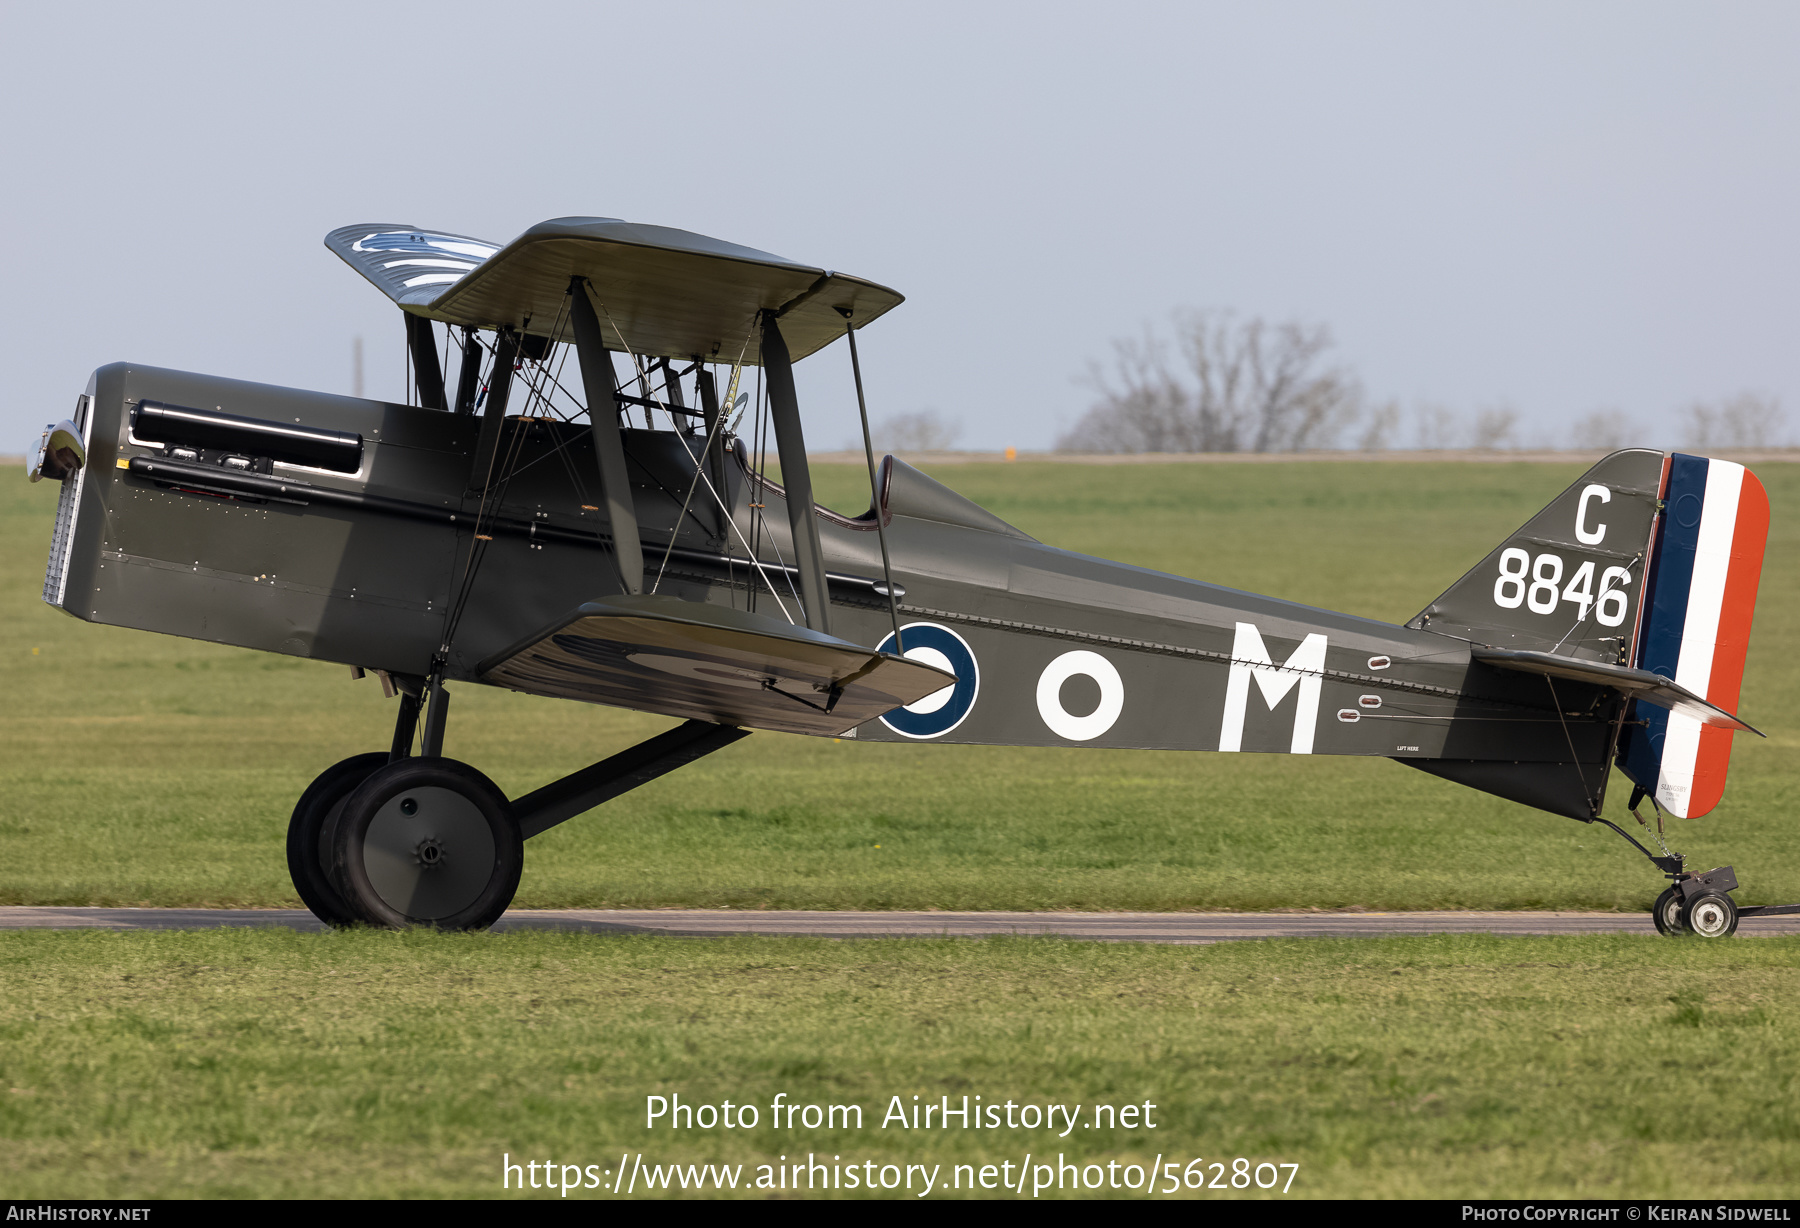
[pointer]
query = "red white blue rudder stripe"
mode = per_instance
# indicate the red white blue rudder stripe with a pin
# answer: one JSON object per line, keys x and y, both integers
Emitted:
{"x": 1705, "y": 563}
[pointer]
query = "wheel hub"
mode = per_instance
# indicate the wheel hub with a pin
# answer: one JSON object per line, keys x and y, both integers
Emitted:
{"x": 1667, "y": 913}
{"x": 406, "y": 852}
{"x": 1708, "y": 917}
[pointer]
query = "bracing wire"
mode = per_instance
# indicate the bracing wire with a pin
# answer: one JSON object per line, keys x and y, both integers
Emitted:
{"x": 493, "y": 495}
{"x": 862, "y": 409}
{"x": 444, "y": 363}
{"x": 756, "y": 483}
{"x": 1574, "y": 758}
{"x": 644, "y": 384}
{"x": 707, "y": 444}
{"x": 761, "y": 510}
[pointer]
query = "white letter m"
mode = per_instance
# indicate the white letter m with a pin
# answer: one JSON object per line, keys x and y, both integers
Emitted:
{"x": 1248, "y": 656}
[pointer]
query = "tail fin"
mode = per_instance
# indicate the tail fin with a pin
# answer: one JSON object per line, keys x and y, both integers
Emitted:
{"x": 1569, "y": 581}
{"x": 1706, "y": 561}
{"x": 1646, "y": 566}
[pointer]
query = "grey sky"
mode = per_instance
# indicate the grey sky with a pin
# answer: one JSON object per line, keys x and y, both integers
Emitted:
{"x": 1559, "y": 207}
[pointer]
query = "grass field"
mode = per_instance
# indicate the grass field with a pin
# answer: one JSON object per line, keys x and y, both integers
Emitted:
{"x": 268, "y": 1063}
{"x": 143, "y": 769}
{"x": 147, "y": 770}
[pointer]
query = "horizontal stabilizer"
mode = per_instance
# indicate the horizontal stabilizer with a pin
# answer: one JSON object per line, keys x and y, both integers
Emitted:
{"x": 1631, "y": 683}
{"x": 712, "y": 663}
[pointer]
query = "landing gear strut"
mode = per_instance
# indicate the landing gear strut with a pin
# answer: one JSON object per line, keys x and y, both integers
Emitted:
{"x": 1698, "y": 904}
{"x": 1695, "y": 903}
{"x": 391, "y": 840}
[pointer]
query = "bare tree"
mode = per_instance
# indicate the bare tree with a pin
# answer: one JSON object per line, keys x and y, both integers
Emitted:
{"x": 1494, "y": 428}
{"x": 924, "y": 430}
{"x": 1746, "y": 420}
{"x": 1243, "y": 387}
{"x": 1142, "y": 406}
{"x": 1382, "y": 426}
{"x": 1438, "y": 428}
{"x": 1604, "y": 428}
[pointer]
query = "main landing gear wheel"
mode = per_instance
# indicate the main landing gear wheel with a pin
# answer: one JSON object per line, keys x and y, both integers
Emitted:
{"x": 426, "y": 842}
{"x": 1666, "y": 912}
{"x": 306, "y": 851}
{"x": 1711, "y": 915}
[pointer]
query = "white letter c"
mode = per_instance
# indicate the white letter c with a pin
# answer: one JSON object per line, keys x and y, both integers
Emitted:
{"x": 1584, "y": 535}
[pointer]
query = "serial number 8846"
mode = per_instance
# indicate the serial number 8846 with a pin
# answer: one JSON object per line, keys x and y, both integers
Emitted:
{"x": 1538, "y": 585}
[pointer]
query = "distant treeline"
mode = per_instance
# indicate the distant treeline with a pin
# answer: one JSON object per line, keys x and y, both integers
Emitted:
{"x": 1220, "y": 384}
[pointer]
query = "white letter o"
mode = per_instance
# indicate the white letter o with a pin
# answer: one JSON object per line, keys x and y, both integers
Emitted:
{"x": 1049, "y": 695}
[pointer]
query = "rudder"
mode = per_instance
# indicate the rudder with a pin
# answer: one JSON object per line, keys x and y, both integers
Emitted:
{"x": 1706, "y": 564}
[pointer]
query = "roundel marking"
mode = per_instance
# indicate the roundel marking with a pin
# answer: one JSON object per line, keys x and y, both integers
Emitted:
{"x": 1049, "y": 695}
{"x": 1688, "y": 509}
{"x": 941, "y": 711}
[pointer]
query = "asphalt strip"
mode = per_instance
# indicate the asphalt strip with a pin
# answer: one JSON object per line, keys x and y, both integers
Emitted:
{"x": 1190, "y": 928}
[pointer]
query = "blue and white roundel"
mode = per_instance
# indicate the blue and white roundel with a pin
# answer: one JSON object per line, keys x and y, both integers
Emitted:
{"x": 941, "y": 711}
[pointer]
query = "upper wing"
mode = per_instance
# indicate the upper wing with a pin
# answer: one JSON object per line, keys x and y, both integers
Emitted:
{"x": 409, "y": 265}
{"x": 663, "y": 293}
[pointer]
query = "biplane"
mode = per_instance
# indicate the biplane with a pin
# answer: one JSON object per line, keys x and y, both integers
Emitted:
{"x": 576, "y": 503}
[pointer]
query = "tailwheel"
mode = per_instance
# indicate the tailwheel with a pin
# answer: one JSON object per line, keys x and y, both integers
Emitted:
{"x": 1710, "y": 915}
{"x": 307, "y": 854}
{"x": 1666, "y": 912}
{"x": 426, "y": 842}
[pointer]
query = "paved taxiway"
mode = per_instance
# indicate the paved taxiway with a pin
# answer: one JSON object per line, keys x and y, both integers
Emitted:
{"x": 1103, "y": 927}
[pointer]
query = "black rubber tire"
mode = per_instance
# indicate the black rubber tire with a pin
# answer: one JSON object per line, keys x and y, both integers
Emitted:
{"x": 426, "y": 842}
{"x": 1666, "y": 912}
{"x": 306, "y": 854}
{"x": 1712, "y": 914}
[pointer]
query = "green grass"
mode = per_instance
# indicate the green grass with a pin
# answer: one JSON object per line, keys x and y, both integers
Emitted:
{"x": 268, "y": 1063}
{"x": 148, "y": 770}
{"x": 144, "y": 769}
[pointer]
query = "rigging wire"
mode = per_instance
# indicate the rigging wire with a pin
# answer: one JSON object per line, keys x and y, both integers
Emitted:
{"x": 644, "y": 384}
{"x": 686, "y": 501}
{"x": 493, "y": 495}
{"x": 560, "y": 446}
{"x": 484, "y": 375}
{"x": 706, "y": 447}
{"x": 542, "y": 384}
{"x": 563, "y": 444}
{"x": 756, "y": 482}
{"x": 1594, "y": 607}
{"x": 1568, "y": 737}
{"x": 737, "y": 370}
{"x": 539, "y": 371}
{"x": 444, "y": 364}
{"x": 726, "y": 425}
{"x": 760, "y": 482}
{"x": 862, "y": 408}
